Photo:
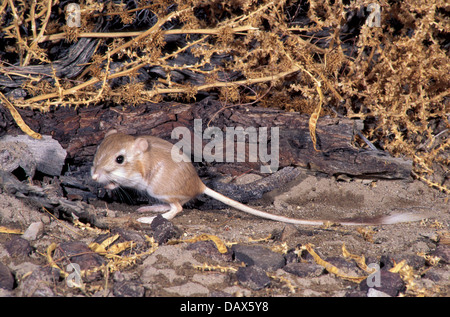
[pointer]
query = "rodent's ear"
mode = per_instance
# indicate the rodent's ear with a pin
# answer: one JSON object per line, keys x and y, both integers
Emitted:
{"x": 141, "y": 144}
{"x": 113, "y": 131}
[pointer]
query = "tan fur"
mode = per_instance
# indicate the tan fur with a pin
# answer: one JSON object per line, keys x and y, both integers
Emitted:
{"x": 178, "y": 181}
{"x": 148, "y": 166}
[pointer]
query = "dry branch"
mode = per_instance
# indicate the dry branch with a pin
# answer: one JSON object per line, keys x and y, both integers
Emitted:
{"x": 393, "y": 77}
{"x": 61, "y": 36}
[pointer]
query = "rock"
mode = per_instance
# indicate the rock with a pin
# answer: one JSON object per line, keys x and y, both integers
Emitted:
{"x": 304, "y": 269}
{"x": 6, "y": 293}
{"x": 253, "y": 277}
{"x": 154, "y": 268}
{"x": 18, "y": 247}
{"x": 45, "y": 155}
{"x": 413, "y": 260}
{"x": 188, "y": 289}
{"x": 6, "y": 278}
{"x": 258, "y": 256}
{"x": 78, "y": 253}
{"x": 437, "y": 274}
{"x": 209, "y": 249}
{"x": 38, "y": 282}
{"x": 125, "y": 235}
{"x": 128, "y": 235}
{"x": 390, "y": 284}
{"x": 291, "y": 257}
{"x": 34, "y": 231}
{"x": 128, "y": 289}
{"x": 164, "y": 230}
{"x": 443, "y": 252}
{"x": 347, "y": 267}
{"x": 45, "y": 219}
{"x": 14, "y": 155}
{"x": 355, "y": 293}
{"x": 375, "y": 293}
{"x": 209, "y": 279}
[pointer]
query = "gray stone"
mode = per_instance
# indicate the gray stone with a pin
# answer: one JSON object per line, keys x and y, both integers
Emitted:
{"x": 304, "y": 269}
{"x": 39, "y": 283}
{"x": 34, "y": 231}
{"x": 164, "y": 230}
{"x": 128, "y": 289}
{"x": 443, "y": 252}
{"x": 45, "y": 155}
{"x": 188, "y": 289}
{"x": 253, "y": 277}
{"x": 390, "y": 283}
{"x": 18, "y": 247}
{"x": 6, "y": 278}
{"x": 258, "y": 256}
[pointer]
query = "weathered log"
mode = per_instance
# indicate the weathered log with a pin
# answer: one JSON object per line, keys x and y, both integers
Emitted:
{"x": 45, "y": 155}
{"x": 71, "y": 65}
{"x": 48, "y": 199}
{"x": 80, "y": 131}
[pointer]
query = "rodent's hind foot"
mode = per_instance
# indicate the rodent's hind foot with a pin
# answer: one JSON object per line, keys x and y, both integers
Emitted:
{"x": 154, "y": 208}
{"x": 148, "y": 220}
{"x": 175, "y": 208}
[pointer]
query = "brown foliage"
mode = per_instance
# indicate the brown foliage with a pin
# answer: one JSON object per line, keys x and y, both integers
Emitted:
{"x": 276, "y": 53}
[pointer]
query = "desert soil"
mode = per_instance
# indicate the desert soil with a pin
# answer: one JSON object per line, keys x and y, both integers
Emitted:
{"x": 420, "y": 250}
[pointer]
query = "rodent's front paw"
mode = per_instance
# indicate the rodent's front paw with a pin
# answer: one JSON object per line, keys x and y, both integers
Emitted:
{"x": 148, "y": 220}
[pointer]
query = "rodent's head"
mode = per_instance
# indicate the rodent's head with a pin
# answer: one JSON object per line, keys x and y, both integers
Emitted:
{"x": 117, "y": 161}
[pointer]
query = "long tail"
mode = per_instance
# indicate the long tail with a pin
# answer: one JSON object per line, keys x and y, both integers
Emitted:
{"x": 396, "y": 218}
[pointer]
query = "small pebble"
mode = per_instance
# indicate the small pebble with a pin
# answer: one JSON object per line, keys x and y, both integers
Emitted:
{"x": 258, "y": 256}
{"x": 34, "y": 231}
{"x": 164, "y": 230}
{"x": 45, "y": 219}
{"x": 18, "y": 247}
{"x": 304, "y": 269}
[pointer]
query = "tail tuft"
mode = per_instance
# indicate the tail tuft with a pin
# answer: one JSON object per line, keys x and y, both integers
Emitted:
{"x": 398, "y": 218}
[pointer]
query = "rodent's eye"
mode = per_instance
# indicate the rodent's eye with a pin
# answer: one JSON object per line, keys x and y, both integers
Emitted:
{"x": 120, "y": 159}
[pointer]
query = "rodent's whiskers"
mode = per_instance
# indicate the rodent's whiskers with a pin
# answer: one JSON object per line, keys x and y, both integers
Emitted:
{"x": 123, "y": 195}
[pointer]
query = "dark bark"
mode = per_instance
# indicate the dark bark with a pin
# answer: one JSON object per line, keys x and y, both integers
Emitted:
{"x": 80, "y": 131}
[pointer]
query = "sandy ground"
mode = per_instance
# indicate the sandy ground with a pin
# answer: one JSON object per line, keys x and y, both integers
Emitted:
{"x": 171, "y": 270}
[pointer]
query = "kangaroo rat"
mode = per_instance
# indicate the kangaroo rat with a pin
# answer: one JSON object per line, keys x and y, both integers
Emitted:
{"x": 145, "y": 163}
